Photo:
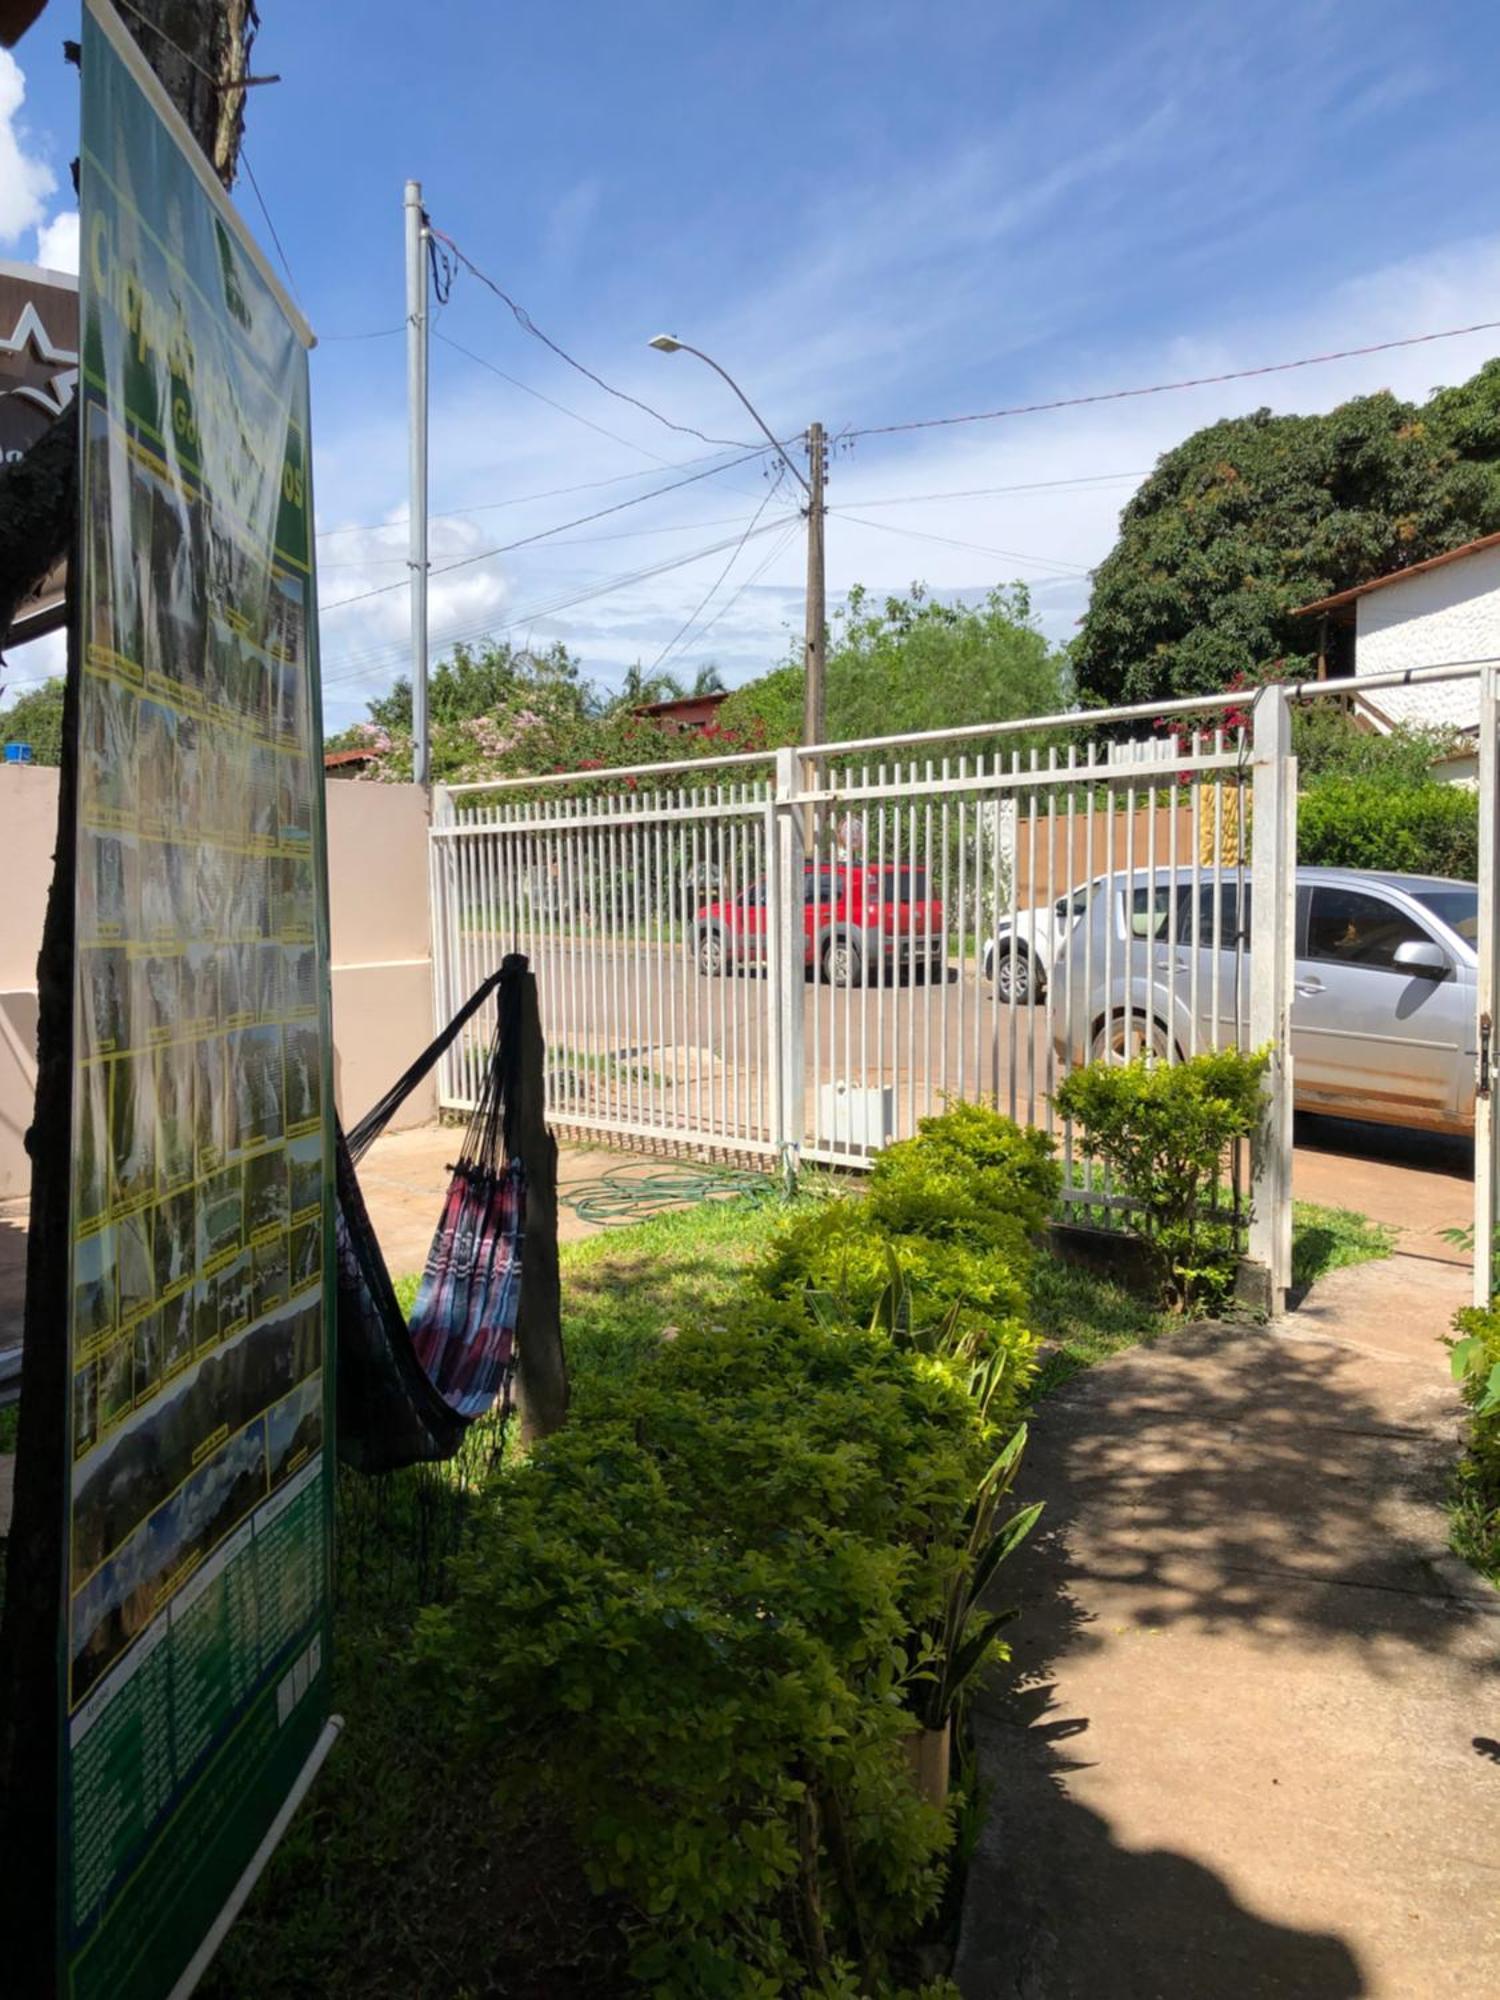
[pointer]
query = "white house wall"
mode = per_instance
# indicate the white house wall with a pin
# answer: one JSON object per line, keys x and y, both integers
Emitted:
{"x": 1442, "y": 615}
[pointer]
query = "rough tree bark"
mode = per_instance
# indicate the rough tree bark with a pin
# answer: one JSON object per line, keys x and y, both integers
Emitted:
{"x": 200, "y": 49}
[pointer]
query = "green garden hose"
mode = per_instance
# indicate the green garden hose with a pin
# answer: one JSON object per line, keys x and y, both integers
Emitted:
{"x": 625, "y": 1194}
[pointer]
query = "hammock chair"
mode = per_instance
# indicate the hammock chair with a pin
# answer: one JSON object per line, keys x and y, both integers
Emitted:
{"x": 408, "y": 1392}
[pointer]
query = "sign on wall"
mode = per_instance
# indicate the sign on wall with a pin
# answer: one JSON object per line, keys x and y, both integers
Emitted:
{"x": 196, "y": 1664}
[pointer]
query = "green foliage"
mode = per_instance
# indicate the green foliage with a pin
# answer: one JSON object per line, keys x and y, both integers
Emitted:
{"x": 1332, "y": 1239}
{"x": 489, "y": 680}
{"x": 697, "y": 1605}
{"x": 770, "y": 707}
{"x": 36, "y": 717}
{"x": 916, "y": 663}
{"x": 1329, "y": 743}
{"x": 970, "y": 1634}
{"x": 1248, "y": 519}
{"x": 1424, "y": 828}
{"x": 1163, "y": 1130}
{"x": 1005, "y": 1170}
{"x": 1475, "y": 1356}
{"x": 498, "y": 711}
{"x": 941, "y": 1243}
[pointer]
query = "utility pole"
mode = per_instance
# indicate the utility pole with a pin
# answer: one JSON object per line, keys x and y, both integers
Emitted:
{"x": 815, "y": 709}
{"x": 416, "y": 399}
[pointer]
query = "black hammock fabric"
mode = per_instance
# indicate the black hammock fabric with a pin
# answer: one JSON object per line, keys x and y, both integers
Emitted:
{"x": 408, "y": 1393}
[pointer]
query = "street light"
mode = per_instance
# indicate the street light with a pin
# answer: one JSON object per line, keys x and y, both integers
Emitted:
{"x": 813, "y": 719}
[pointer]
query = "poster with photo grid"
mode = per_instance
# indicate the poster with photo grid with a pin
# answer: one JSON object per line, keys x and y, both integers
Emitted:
{"x": 198, "y": 1554}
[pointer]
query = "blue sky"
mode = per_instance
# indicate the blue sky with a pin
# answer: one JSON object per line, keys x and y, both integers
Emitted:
{"x": 868, "y": 212}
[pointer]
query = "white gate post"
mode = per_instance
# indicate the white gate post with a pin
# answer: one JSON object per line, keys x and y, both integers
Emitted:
{"x": 786, "y": 971}
{"x": 1487, "y": 985}
{"x": 442, "y": 925}
{"x": 1273, "y": 909}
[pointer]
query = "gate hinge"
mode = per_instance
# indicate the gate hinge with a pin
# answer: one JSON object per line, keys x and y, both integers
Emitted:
{"x": 1486, "y": 1028}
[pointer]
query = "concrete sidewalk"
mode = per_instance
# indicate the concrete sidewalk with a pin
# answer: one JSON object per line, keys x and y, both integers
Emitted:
{"x": 1250, "y": 1746}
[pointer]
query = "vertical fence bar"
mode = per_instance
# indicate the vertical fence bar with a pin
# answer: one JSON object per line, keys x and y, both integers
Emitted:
{"x": 1047, "y": 998}
{"x": 1487, "y": 987}
{"x": 786, "y": 972}
{"x": 1273, "y": 892}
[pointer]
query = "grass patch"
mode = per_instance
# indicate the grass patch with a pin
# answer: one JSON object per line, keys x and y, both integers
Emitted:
{"x": 1083, "y": 1318}
{"x": 1474, "y": 1523}
{"x": 9, "y": 1418}
{"x": 407, "y": 1872}
{"x": 1331, "y": 1239}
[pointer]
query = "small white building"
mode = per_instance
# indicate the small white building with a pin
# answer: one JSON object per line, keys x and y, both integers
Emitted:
{"x": 1437, "y": 613}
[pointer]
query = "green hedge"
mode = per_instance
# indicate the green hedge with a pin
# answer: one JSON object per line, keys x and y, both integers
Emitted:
{"x": 697, "y": 1606}
{"x": 950, "y": 1217}
{"x": 1422, "y": 829}
{"x": 716, "y": 1607}
{"x": 1476, "y": 1365}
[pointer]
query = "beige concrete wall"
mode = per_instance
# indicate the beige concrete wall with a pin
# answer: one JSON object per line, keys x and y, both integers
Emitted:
{"x": 382, "y": 965}
{"x": 382, "y": 944}
{"x": 28, "y": 831}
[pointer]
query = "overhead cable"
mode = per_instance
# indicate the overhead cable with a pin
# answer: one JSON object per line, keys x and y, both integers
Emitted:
{"x": 1187, "y": 382}
{"x": 518, "y": 499}
{"x": 543, "y": 534}
{"x": 949, "y": 541}
{"x": 355, "y": 666}
{"x": 524, "y": 320}
{"x": 734, "y": 557}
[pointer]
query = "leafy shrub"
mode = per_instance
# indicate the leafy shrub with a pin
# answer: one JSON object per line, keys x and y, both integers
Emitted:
{"x": 948, "y": 1220}
{"x": 1009, "y": 1168}
{"x": 702, "y": 1605}
{"x": 1476, "y": 1367}
{"x": 1425, "y": 828}
{"x": 1163, "y": 1130}
{"x": 1329, "y": 742}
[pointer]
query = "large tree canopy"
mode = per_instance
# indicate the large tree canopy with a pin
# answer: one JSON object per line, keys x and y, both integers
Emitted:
{"x": 36, "y": 718}
{"x": 915, "y": 663}
{"x": 1250, "y": 518}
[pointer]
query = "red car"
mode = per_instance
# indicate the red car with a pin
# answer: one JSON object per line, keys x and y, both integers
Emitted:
{"x": 861, "y": 925}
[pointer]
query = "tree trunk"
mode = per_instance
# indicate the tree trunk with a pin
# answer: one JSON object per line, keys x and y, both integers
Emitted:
{"x": 541, "y": 1367}
{"x": 36, "y": 1554}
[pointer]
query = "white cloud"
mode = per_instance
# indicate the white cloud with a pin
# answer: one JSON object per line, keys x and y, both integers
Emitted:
{"x": 57, "y": 242}
{"x": 25, "y": 179}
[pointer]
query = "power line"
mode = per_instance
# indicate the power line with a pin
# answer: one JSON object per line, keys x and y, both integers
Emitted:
{"x": 543, "y": 534}
{"x": 552, "y": 404}
{"x": 356, "y": 666}
{"x": 375, "y": 333}
{"x": 978, "y": 548}
{"x": 519, "y": 499}
{"x": 777, "y": 549}
{"x": 578, "y": 541}
{"x": 524, "y": 320}
{"x": 993, "y": 492}
{"x": 1188, "y": 382}
{"x": 275, "y": 237}
{"x": 734, "y": 557}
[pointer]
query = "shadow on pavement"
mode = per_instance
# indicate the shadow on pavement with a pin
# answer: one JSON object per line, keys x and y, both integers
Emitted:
{"x": 1264, "y": 1508}
{"x": 1073, "y": 1915}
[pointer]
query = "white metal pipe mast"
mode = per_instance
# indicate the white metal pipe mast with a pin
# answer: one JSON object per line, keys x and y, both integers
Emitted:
{"x": 416, "y": 399}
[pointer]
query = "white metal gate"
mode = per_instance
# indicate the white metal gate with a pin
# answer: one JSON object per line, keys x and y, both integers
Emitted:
{"x": 799, "y": 955}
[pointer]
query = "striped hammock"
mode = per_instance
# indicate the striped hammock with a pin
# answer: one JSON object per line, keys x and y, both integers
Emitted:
{"x": 408, "y": 1392}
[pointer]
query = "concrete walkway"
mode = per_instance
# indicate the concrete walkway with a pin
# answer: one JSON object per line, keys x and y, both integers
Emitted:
{"x": 1250, "y": 1748}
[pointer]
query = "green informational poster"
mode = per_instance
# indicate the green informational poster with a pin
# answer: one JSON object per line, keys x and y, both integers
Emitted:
{"x": 195, "y": 1677}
